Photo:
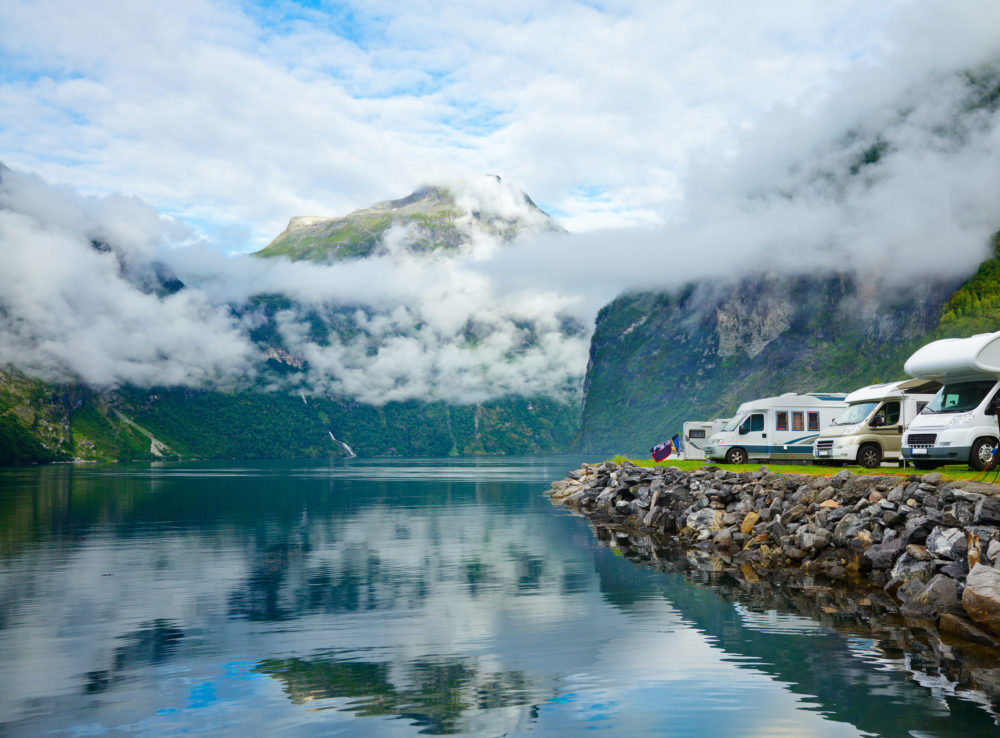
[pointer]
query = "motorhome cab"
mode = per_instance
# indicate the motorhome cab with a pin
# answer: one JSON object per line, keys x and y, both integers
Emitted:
{"x": 960, "y": 424}
{"x": 782, "y": 427}
{"x": 870, "y": 429}
{"x": 697, "y": 433}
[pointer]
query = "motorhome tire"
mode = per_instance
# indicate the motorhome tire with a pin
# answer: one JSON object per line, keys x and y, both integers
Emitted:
{"x": 870, "y": 456}
{"x": 736, "y": 456}
{"x": 982, "y": 453}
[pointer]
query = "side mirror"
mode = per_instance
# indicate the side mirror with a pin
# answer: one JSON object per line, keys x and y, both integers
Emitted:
{"x": 877, "y": 422}
{"x": 743, "y": 430}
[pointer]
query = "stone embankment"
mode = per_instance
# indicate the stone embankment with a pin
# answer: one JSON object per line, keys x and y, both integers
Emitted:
{"x": 930, "y": 544}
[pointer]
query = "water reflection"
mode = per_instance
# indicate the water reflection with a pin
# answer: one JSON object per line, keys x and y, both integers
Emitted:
{"x": 307, "y": 598}
{"x": 436, "y": 696}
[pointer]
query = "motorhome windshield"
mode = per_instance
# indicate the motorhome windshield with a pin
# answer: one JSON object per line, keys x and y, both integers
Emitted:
{"x": 855, "y": 413}
{"x": 959, "y": 397}
{"x": 734, "y": 423}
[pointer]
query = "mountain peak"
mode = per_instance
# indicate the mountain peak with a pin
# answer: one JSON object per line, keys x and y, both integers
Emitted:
{"x": 437, "y": 217}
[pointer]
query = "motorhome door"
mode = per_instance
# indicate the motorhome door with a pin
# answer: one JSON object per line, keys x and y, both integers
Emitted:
{"x": 752, "y": 436}
{"x": 885, "y": 424}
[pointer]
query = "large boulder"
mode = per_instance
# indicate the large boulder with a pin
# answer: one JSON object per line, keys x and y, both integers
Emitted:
{"x": 981, "y": 598}
{"x": 939, "y": 595}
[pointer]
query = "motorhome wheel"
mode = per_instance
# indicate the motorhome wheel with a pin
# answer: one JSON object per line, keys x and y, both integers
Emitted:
{"x": 870, "y": 455}
{"x": 982, "y": 452}
{"x": 736, "y": 456}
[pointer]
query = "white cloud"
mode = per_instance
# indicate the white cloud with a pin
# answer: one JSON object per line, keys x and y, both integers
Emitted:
{"x": 236, "y": 115}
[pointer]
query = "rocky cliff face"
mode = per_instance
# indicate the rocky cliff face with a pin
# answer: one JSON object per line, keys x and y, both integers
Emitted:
{"x": 658, "y": 359}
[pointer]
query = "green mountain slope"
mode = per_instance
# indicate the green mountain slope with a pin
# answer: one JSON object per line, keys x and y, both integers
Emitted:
{"x": 42, "y": 423}
{"x": 975, "y": 306}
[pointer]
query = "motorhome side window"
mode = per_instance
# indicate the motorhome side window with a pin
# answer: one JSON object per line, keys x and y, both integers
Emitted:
{"x": 696, "y": 433}
{"x": 753, "y": 423}
{"x": 798, "y": 421}
{"x": 781, "y": 420}
{"x": 891, "y": 412}
{"x": 813, "y": 418}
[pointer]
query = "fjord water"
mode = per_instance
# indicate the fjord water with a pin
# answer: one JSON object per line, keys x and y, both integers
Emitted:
{"x": 397, "y": 597}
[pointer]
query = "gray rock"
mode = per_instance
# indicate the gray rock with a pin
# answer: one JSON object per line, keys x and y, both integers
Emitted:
{"x": 955, "y": 569}
{"x": 906, "y": 589}
{"x": 948, "y": 543}
{"x": 993, "y": 551}
{"x": 939, "y": 595}
{"x": 826, "y": 493}
{"x": 823, "y": 539}
{"x": 918, "y": 527}
{"x": 724, "y": 536}
{"x": 987, "y": 511}
{"x": 836, "y": 515}
{"x": 706, "y": 519}
{"x": 847, "y": 528}
{"x": 907, "y": 568}
{"x": 957, "y": 514}
{"x": 883, "y": 555}
{"x": 891, "y": 517}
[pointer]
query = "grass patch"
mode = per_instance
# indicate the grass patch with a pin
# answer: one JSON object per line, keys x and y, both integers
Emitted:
{"x": 957, "y": 472}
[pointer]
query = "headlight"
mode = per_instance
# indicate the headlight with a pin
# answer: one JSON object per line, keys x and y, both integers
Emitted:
{"x": 960, "y": 420}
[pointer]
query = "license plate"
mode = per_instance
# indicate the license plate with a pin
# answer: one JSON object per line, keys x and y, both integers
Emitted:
{"x": 918, "y": 451}
{"x": 823, "y": 453}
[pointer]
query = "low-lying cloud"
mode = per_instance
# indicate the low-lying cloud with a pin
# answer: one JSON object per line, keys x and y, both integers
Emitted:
{"x": 82, "y": 299}
{"x": 898, "y": 192}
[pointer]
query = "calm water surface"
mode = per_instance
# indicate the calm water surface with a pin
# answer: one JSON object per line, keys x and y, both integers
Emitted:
{"x": 396, "y": 598}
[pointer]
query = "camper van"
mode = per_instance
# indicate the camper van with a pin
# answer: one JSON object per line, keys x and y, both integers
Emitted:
{"x": 697, "y": 433}
{"x": 870, "y": 429}
{"x": 960, "y": 424}
{"x": 782, "y": 427}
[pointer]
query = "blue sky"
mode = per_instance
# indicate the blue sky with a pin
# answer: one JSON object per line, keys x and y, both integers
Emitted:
{"x": 236, "y": 116}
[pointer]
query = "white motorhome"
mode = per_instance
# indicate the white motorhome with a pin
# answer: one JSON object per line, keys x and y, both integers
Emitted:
{"x": 960, "y": 424}
{"x": 697, "y": 433}
{"x": 782, "y": 427}
{"x": 870, "y": 429}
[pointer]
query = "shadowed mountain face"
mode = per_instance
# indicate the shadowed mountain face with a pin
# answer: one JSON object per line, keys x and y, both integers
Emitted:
{"x": 431, "y": 218}
{"x": 659, "y": 359}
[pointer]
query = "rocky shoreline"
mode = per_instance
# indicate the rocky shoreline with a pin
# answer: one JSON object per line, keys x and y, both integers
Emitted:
{"x": 921, "y": 550}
